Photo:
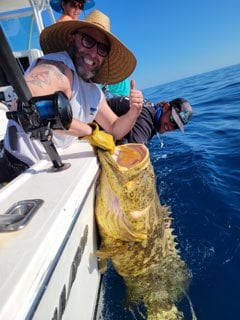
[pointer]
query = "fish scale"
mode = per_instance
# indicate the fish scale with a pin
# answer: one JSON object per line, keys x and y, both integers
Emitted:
{"x": 130, "y": 220}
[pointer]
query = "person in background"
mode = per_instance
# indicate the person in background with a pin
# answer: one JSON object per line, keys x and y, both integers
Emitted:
{"x": 70, "y": 9}
{"x": 78, "y": 55}
{"x": 117, "y": 89}
{"x": 154, "y": 118}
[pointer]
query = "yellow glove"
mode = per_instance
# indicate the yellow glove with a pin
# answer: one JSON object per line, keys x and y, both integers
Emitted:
{"x": 100, "y": 139}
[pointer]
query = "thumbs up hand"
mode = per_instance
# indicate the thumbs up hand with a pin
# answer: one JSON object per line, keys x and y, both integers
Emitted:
{"x": 135, "y": 98}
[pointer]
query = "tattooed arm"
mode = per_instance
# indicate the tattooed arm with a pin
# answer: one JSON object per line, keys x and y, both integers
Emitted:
{"x": 48, "y": 77}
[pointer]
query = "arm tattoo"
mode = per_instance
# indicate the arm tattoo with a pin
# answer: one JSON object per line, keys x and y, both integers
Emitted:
{"x": 49, "y": 68}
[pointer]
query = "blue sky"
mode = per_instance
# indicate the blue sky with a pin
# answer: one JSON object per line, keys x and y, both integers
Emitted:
{"x": 174, "y": 39}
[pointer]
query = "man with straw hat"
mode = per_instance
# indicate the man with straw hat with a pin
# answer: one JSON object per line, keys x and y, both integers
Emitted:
{"x": 79, "y": 54}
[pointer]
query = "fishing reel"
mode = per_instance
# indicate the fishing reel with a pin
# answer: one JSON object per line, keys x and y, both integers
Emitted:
{"x": 41, "y": 114}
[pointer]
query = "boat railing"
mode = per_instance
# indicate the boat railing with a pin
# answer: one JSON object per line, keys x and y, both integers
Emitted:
{"x": 24, "y": 58}
{"x": 23, "y": 21}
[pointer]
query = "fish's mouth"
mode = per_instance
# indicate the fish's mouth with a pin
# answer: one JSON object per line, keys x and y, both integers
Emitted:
{"x": 129, "y": 155}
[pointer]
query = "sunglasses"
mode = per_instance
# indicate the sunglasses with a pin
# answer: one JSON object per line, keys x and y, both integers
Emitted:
{"x": 183, "y": 115}
{"x": 172, "y": 119}
{"x": 89, "y": 42}
{"x": 76, "y": 4}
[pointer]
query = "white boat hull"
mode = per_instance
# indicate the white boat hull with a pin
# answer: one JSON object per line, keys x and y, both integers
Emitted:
{"x": 48, "y": 268}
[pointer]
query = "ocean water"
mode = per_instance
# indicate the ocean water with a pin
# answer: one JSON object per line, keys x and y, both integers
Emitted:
{"x": 198, "y": 175}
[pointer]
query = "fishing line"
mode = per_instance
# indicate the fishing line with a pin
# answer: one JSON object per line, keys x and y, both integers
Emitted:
{"x": 194, "y": 317}
{"x": 160, "y": 139}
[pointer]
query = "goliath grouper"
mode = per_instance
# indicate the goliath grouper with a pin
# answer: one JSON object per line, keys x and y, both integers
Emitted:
{"x": 132, "y": 227}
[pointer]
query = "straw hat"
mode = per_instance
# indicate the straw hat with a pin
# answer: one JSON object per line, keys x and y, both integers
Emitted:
{"x": 57, "y": 5}
{"x": 118, "y": 65}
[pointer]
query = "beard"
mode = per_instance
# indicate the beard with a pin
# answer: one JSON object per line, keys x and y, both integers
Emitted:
{"x": 80, "y": 66}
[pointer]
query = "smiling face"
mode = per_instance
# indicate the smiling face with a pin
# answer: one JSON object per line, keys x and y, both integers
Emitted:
{"x": 165, "y": 123}
{"x": 86, "y": 48}
{"x": 72, "y": 9}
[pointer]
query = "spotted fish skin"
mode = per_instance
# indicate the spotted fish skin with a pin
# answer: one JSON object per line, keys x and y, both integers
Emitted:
{"x": 131, "y": 224}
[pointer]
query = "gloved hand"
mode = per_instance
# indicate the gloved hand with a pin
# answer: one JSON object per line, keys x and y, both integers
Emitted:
{"x": 100, "y": 139}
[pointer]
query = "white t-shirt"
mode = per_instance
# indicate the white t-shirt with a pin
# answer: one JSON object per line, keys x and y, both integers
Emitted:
{"x": 85, "y": 101}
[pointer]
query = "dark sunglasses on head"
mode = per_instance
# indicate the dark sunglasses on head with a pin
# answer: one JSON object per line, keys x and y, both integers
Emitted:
{"x": 76, "y": 4}
{"x": 89, "y": 42}
{"x": 172, "y": 120}
{"x": 183, "y": 115}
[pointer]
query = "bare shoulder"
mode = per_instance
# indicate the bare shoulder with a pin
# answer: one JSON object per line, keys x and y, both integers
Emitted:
{"x": 49, "y": 76}
{"x": 53, "y": 64}
{"x": 64, "y": 17}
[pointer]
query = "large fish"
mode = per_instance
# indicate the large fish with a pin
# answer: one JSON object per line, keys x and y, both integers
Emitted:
{"x": 134, "y": 235}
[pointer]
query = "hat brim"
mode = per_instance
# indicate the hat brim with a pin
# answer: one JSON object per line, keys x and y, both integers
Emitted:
{"x": 119, "y": 64}
{"x": 56, "y": 5}
{"x": 177, "y": 120}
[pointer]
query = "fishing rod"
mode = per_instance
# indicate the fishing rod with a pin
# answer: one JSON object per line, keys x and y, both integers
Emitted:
{"x": 38, "y": 116}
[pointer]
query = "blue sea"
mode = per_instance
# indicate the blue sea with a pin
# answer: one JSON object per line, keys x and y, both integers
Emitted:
{"x": 198, "y": 175}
